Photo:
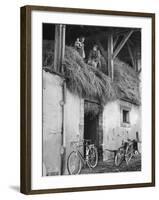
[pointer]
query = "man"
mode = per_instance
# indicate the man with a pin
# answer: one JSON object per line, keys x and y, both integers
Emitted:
{"x": 94, "y": 57}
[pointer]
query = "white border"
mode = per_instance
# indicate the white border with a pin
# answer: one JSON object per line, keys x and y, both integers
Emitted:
{"x": 39, "y": 182}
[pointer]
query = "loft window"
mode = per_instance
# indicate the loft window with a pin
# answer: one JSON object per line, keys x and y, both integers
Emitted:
{"x": 125, "y": 116}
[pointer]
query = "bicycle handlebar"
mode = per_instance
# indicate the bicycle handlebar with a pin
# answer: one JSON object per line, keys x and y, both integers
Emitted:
{"x": 80, "y": 142}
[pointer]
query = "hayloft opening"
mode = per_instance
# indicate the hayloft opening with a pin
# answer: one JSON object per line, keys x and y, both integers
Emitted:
{"x": 99, "y": 35}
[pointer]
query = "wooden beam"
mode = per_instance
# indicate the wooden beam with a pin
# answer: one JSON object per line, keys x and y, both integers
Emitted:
{"x": 103, "y": 34}
{"x": 131, "y": 55}
{"x": 54, "y": 67}
{"x": 110, "y": 56}
{"x": 115, "y": 41}
{"x": 122, "y": 43}
{"x": 59, "y": 62}
{"x": 59, "y": 48}
{"x": 62, "y": 46}
{"x": 104, "y": 53}
{"x": 123, "y": 32}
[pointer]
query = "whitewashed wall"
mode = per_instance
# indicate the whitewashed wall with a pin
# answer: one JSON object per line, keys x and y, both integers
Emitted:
{"x": 113, "y": 131}
{"x": 52, "y": 123}
{"x": 73, "y": 122}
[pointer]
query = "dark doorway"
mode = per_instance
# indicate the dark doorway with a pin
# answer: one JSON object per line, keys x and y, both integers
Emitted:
{"x": 91, "y": 126}
{"x": 92, "y": 113}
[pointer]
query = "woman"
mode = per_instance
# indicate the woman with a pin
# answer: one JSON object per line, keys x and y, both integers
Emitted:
{"x": 94, "y": 57}
{"x": 79, "y": 46}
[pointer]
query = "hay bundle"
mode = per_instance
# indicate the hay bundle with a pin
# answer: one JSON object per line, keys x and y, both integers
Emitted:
{"x": 84, "y": 80}
{"x": 88, "y": 82}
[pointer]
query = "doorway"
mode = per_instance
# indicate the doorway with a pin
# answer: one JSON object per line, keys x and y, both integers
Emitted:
{"x": 91, "y": 124}
{"x": 93, "y": 129}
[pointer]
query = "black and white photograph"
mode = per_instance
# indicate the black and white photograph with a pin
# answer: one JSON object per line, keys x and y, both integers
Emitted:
{"x": 88, "y": 116}
{"x": 91, "y": 99}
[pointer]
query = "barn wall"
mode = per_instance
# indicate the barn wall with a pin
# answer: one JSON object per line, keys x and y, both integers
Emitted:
{"x": 52, "y": 123}
{"x": 73, "y": 122}
{"x": 113, "y": 129}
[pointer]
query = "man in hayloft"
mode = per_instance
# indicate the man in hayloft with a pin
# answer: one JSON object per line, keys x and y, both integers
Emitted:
{"x": 94, "y": 57}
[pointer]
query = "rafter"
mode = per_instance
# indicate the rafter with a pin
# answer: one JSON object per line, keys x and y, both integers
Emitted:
{"x": 115, "y": 41}
{"x": 122, "y": 43}
{"x": 131, "y": 55}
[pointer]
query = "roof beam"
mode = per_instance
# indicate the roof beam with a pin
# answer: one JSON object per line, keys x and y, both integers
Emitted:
{"x": 131, "y": 55}
{"x": 103, "y": 34}
{"x": 115, "y": 41}
{"x": 122, "y": 43}
{"x": 110, "y": 56}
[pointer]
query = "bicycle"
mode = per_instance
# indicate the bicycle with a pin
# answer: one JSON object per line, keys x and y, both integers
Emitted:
{"x": 76, "y": 159}
{"x": 126, "y": 152}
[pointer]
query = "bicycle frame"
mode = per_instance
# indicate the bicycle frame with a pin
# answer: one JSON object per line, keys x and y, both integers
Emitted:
{"x": 84, "y": 160}
{"x": 81, "y": 157}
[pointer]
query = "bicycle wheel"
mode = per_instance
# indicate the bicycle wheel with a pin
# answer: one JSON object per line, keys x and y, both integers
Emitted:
{"x": 129, "y": 153}
{"x": 92, "y": 156}
{"x": 119, "y": 157}
{"x": 74, "y": 163}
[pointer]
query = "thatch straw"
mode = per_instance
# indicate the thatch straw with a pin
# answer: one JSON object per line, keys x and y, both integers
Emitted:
{"x": 84, "y": 80}
{"x": 87, "y": 82}
{"x": 126, "y": 82}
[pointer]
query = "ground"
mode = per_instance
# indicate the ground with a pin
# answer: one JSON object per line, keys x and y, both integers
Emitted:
{"x": 109, "y": 166}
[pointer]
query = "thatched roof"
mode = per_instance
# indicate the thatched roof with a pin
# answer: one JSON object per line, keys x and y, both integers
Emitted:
{"x": 87, "y": 82}
{"x": 126, "y": 82}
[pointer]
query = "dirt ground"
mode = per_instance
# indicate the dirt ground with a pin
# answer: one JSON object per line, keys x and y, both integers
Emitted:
{"x": 109, "y": 166}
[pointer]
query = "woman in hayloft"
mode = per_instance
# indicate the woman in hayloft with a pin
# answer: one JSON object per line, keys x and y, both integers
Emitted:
{"x": 94, "y": 57}
{"x": 79, "y": 46}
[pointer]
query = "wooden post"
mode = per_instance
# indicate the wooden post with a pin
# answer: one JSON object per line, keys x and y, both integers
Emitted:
{"x": 57, "y": 47}
{"x": 63, "y": 160}
{"x": 62, "y": 46}
{"x": 63, "y": 142}
{"x": 110, "y": 56}
{"x": 54, "y": 67}
{"x": 131, "y": 56}
{"x": 59, "y": 53}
